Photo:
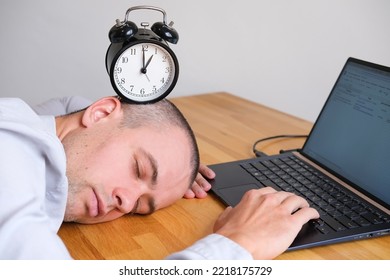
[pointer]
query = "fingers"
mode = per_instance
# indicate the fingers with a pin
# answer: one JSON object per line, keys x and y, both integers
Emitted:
{"x": 293, "y": 203}
{"x": 300, "y": 210}
{"x": 206, "y": 171}
{"x": 196, "y": 190}
{"x": 202, "y": 182}
{"x": 201, "y": 186}
{"x": 222, "y": 218}
{"x": 305, "y": 214}
{"x": 265, "y": 221}
{"x": 257, "y": 195}
{"x": 225, "y": 213}
{"x": 290, "y": 203}
{"x": 189, "y": 194}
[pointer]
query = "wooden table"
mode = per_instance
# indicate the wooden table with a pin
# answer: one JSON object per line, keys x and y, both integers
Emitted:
{"x": 226, "y": 126}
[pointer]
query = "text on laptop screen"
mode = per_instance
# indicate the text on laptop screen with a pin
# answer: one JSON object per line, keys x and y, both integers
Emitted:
{"x": 352, "y": 134}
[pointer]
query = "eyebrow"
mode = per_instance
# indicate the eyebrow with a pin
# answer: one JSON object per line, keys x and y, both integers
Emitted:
{"x": 153, "y": 163}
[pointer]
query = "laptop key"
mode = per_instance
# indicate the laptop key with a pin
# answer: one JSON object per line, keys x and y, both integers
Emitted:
{"x": 361, "y": 221}
{"x": 321, "y": 226}
{"x": 372, "y": 218}
{"x": 333, "y": 223}
{"x": 267, "y": 163}
{"x": 259, "y": 166}
{"x": 269, "y": 183}
{"x": 386, "y": 219}
{"x": 347, "y": 222}
{"x": 353, "y": 215}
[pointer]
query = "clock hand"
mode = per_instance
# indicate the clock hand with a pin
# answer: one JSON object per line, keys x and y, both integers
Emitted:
{"x": 147, "y": 63}
{"x": 143, "y": 58}
{"x": 143, "y": 69}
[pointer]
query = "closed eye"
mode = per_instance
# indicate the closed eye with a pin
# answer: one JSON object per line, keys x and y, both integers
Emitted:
{"x": 137, "y": 171}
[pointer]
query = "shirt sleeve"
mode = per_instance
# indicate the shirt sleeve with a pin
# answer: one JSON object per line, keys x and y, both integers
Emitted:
{"x": 28, "y": 222}
{"x": 213, "y": 247}
{"x": 62, "y": 106}
{"x": 26, "y": 231}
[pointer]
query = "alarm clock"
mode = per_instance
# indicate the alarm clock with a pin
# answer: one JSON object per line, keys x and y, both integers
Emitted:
{"x": 141, "y": 65}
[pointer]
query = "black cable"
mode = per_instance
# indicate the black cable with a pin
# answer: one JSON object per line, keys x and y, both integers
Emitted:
{"x": 259, "y": 153}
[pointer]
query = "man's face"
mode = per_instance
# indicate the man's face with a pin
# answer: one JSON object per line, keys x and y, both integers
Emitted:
{"x": 114, "y": 171}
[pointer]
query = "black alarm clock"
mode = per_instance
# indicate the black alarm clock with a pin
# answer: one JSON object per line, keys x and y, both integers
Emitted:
{"x": 141, "y": 65}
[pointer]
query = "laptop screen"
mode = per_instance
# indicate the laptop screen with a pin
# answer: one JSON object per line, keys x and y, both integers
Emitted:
{"x": 351, "y": 136}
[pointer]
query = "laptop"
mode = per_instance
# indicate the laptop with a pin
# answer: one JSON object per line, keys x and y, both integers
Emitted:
{"x": 343, "y": 168}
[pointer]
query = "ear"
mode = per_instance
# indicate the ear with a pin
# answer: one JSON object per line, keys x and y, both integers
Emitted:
{"x": 103, "y": 109}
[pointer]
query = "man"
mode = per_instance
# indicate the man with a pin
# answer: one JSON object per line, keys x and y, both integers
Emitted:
{"x": 70, "y": 104}
{"x": 111, "y": 159}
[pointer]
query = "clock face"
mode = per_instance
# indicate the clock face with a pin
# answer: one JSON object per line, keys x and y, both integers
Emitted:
{"x": 145, "y": 72}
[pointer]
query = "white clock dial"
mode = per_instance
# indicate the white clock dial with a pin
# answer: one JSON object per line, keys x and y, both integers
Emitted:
{"x": 144, "y": 72}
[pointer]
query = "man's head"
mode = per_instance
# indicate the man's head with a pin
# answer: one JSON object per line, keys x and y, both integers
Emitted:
{"x": 124, "y": 158}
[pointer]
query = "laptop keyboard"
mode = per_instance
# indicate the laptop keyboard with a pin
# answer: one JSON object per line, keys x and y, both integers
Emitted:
{"x": 339, "y": 208}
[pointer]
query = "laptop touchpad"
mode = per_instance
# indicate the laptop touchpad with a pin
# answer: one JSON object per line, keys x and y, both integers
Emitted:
{"x": 233, "y": 195}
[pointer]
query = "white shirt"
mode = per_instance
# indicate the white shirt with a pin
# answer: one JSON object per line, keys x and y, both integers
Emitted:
{"x": 33, "y": 185}
{"x": 62, "y": 106}
{"x": 33, "y": 191}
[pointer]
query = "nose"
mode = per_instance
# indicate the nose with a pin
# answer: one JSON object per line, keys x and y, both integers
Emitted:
{"x": 124, "y": 201}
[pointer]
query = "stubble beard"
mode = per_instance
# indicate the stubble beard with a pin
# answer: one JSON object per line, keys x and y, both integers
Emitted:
{"x": 74, "y": 190}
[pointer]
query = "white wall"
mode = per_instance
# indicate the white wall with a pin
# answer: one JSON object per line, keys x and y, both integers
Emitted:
{"x": 283, "y": 53}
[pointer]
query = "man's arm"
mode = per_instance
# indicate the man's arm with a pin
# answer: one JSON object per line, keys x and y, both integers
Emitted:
{"x": 26, "y": 231}
{"x": 33, "y": 186}
{"x": 263, "y": 225}
{"x": 213, "y": 247}
{"x": 62, "y": 105}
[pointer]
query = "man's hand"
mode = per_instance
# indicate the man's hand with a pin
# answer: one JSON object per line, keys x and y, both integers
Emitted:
{"x": 265, "y": 222}
{"x": 201, "y": 186}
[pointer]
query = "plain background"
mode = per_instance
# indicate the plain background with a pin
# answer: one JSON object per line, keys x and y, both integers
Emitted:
{"x": 285, "y": 54}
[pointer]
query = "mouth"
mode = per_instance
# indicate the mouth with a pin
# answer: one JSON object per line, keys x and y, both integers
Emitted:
{"x": 97, "y": 206}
